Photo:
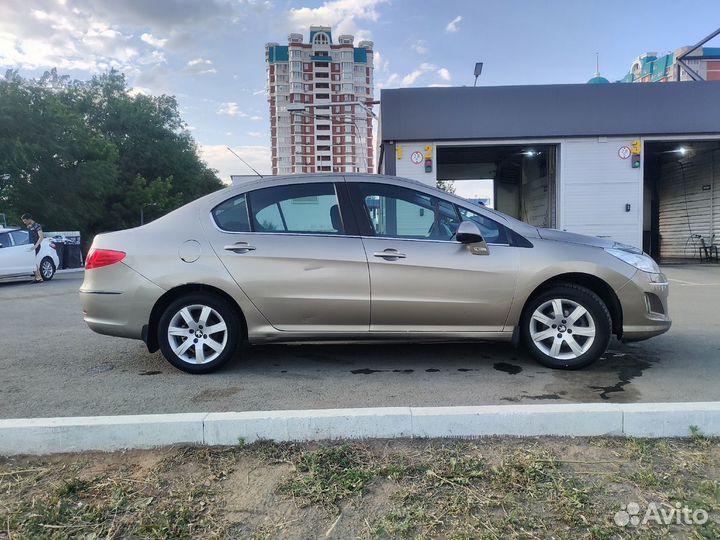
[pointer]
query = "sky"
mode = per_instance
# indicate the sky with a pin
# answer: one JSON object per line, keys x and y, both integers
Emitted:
{"x": 210, "y": 53}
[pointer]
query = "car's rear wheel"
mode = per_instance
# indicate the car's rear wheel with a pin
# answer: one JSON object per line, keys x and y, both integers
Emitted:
{"x": 566, "y": 327}
{"x": 198, "y": 333}
{"x": 47, "y": 269}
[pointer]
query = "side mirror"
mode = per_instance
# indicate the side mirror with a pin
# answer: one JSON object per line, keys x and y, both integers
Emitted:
{"x": 469, "y": 233}
{"x": 1, "y": 246}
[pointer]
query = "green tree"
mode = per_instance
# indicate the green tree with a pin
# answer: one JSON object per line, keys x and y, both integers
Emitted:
{"x": 446, "y": 185}
{"x": 88, "y": 155}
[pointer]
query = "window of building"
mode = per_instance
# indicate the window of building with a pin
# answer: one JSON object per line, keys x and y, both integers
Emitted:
{"x": 321, "y": 38}
{"x": 405, "y": 213}
{"x": 321, "y": 75}
{"x": 321, "y": 64}
{"x": 322, "y": 127}
{"x": 322, "y": 86}
{"x": 323, "y": 148}
{"x": 295, "y": 53}
{"x": 296, "y": 66}
{"x": 322, "y": 96}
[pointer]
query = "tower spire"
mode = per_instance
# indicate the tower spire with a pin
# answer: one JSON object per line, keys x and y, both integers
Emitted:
{"x": 597, "y": 64}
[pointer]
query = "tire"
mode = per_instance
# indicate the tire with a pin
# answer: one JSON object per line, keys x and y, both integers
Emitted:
{"x": 583, "y": 335}
{"x": 180, "y": 333}
{"x": 47, "y": 269}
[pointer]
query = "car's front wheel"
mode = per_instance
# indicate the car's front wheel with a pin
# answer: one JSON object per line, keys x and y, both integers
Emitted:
{"x": 47, "y": 269}
{"x": 198, "y": 333}
{"x": 567, "y": 327}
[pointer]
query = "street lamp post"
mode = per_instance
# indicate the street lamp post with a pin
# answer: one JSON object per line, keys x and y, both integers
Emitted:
{"x": 478, "y": 71}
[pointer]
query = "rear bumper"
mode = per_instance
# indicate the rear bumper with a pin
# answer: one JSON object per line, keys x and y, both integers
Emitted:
{"x": 117, "y": 301}
{"x": 645, "y": 307}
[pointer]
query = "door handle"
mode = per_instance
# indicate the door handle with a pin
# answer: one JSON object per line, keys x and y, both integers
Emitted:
{"x": 389, "y": 254}
{"x": 240, "y": 247}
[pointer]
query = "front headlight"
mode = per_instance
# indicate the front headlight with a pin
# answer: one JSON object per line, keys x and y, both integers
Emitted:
{"x": 638, "y": 260}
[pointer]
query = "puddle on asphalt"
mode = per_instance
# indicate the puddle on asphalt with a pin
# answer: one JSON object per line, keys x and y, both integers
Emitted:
{"x": 150, "y": 373}
{"x": 507, "y": 368}
{"x": 368, "y": 371}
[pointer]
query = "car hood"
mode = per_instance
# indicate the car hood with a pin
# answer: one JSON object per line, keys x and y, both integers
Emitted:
{"x": 572, "y": 238}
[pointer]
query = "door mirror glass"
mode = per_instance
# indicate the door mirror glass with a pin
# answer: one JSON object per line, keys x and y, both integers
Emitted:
{"x": 469, "y": 233}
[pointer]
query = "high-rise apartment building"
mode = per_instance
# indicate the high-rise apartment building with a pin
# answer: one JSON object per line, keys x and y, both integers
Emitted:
{"x": 320, "y": 120}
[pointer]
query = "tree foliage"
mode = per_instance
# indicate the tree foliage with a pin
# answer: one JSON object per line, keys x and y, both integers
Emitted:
{"x": 88, "y": 155}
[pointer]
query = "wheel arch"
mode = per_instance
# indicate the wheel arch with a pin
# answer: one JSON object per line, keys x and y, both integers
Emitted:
{"x": 593, "y": 283}
{"x": 149, "y": 331}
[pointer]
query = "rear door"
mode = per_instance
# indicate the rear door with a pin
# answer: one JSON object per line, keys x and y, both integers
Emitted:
{"x": 16, "y": 259}
{"x": 294, "y": 251}
{"x": 421, "y": 278}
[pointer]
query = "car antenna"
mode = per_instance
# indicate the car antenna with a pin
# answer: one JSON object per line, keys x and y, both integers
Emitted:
{"x": 245, "y": 162}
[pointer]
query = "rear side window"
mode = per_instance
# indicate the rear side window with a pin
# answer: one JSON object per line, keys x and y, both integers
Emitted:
{"x": 298, "y": 208}
{"x": 232, "y": 215}
{"x": 5, "y": 240}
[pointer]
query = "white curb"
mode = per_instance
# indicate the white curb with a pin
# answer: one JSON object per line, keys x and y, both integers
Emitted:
{"x": 108, "y": 433}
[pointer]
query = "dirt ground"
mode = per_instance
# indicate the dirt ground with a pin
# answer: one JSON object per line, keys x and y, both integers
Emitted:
{"x": 597, "y": 488}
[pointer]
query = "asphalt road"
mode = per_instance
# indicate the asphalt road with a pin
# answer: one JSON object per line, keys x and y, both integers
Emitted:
{"x": 53, "y": 365}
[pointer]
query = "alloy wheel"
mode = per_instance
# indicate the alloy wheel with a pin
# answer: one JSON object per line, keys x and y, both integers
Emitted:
{"x": 46, "y": 269}
{"x": 562, "y": 329}
{"x": 197, "y": 334}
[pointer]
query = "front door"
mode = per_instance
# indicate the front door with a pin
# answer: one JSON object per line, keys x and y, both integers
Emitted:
{"x": 289, "y": 250}
{"x": 15, "y": 260}
{"x": 421, "y": 278}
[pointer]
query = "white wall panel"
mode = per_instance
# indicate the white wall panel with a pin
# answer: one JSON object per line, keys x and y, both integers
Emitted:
{"x": 595, "y": 186}
{"x": 405, "y": 168}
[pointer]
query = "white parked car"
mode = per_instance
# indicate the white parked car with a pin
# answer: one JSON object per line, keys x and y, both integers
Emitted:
{"x": 18, "y": 259}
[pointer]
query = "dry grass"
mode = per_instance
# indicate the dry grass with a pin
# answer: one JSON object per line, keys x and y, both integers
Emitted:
{"x": 491, "y": 488}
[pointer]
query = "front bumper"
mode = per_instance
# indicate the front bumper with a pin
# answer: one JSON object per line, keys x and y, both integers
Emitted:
{"x": 644, "y": 306}
{"x": 117, "y": 301}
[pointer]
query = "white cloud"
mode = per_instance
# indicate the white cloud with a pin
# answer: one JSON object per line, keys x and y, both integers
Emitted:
{"x": 342, "y": 15}
{"x": 379, "y": 63}
{"x": 420, "y": 46}
{"x": 199, "y": 66}
{"x": 256, "y": 118}
{"x": 444, "y": 74}
{"x": 439, "y": 85}
{"x": 152, "y": 40}
{"x": 220, "y": 158}
{"x": 231, "y": 108}
{"x": 452, "y": 26}
{"x": 410, "y": 78}
{"x": 255, "y": 134}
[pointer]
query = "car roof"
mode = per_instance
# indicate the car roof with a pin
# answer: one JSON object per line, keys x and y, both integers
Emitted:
{"x": 8, "y": 229}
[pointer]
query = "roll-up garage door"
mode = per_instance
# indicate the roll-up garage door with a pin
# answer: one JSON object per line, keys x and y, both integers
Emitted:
{"x": 688, "y": 205}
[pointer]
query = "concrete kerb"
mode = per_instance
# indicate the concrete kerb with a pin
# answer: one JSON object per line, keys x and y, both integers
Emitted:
{"x": 108, "y": 433}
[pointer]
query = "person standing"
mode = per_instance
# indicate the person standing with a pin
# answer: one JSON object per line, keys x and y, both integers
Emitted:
{"x": 36, "y": 237}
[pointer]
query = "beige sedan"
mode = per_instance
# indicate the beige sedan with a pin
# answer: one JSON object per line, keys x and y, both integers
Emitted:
{"x": 364, "y": 257}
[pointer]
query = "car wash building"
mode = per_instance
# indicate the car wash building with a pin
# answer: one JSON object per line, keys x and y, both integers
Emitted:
{"x": 637, "y": 163}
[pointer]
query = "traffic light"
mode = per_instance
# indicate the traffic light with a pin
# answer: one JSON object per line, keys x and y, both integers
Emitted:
{"x": 428, "y": 158}
{"x": 635, "y": 161}
{"x": 635, "y": 147}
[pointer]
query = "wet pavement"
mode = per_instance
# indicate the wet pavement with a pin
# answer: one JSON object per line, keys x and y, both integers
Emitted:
{"x": 53, "y": 365}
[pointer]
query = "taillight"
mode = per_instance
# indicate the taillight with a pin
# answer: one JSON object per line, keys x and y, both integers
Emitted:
{"x": 52, "y": 245}
{"x": 103, "y": 257}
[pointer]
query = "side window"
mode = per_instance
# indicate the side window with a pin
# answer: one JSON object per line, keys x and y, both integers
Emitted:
{"x": 493, "y": 232}
{"x": 5, "y": 240}
{"x": 20, "y": 237}
{"x": 405, "y": 213}
{"x": 232, "y": 215}
{"x": 298, "y": 208}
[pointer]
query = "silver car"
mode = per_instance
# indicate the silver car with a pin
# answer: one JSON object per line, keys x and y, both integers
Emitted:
{"x": 349, "y": 258}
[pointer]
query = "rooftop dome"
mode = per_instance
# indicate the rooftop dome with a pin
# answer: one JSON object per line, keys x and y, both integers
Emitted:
{"x": 598, "y": 79}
